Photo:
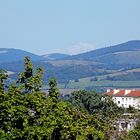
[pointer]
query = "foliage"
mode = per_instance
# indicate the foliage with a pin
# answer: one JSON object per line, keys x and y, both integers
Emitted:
{"x": 88, "y": 100}
{"x": 135, "y": 134}
{"x": 26, "y": 113}
{"x": 100, "y": 107}
{"x": 94, "y": 102}
{"x": 3, "y": 76}
{"x": 53, "y": 91}
{"x": 28, "y": 80}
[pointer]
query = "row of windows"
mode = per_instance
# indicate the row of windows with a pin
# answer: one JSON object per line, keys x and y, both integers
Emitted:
{"x": 126, "y": 102}
{"x": 125, "y": 99}
{"x": 126, "y": 105}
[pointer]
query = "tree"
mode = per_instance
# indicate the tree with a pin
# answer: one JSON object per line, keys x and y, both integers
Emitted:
{"x": 71, "y": 123}
{"x": 100, "y": 107}
{"x": 29, "y": 81}
{"x": 53, "y": 91}
{"x": 135, "y": 134}
{"x": 3, "y": 77}
{"x": 88, "y": 100}
{"x": 34, "y": 115}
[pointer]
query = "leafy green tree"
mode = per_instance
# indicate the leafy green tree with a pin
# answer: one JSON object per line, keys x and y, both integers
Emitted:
{"x": 53, "y": 91}
{"x": 88, "y": 100}
{"x": 110, "y": 110}
{"x": 102, "y": 108}
{"x": 3, "y": 77}
{"x": 135, "y": 134}
{"x": 36, "y": 116}
{"x": 28, "y": 80}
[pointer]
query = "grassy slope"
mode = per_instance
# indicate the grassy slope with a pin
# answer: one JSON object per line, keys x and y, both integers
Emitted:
{"x": 105, "y": 83}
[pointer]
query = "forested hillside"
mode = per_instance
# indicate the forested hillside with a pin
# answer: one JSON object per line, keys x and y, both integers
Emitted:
{"x": 113, "y": 63}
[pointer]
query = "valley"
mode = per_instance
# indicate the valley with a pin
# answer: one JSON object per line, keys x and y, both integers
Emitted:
{"x": 105, "y": 67}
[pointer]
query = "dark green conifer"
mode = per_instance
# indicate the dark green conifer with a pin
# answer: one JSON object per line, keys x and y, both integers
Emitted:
{"x": 28, "y": 80}
{"x": 53, "y": 91}
{"x": 3, "y": 76}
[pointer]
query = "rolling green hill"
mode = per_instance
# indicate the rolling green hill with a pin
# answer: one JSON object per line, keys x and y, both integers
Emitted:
{"x": 115, "y": 63}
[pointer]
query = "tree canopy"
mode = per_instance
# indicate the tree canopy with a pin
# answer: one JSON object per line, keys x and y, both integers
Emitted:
{"x": 26, "y": 113}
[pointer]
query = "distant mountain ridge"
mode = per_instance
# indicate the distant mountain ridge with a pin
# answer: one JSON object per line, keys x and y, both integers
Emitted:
{"x": 130, "y": 49}
{"x": 113, "y": 62}
{"x": 9, "y": 55}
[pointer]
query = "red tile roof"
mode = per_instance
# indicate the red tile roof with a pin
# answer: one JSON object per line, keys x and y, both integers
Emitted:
{"x": 123, "y": 93}
{"x": 120, "y": 93}
{"x": 135, "y": 93}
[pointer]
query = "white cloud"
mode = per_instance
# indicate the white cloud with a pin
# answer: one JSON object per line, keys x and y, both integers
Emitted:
{"x": 74, "y": 49}
{"x": 79, "y": 48}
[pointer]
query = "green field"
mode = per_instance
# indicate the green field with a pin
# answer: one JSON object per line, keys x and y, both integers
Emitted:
{"x": 104, "y": 83}
{"x": 96, "y": 84}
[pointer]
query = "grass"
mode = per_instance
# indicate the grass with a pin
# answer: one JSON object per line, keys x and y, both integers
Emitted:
{"x": 104, "y": 83}
{"x": 99, "y": 84}
{"x": 73, "y": 86}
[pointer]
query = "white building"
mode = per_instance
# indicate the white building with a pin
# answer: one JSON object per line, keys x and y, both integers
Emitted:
{"x": 125, "y": 98}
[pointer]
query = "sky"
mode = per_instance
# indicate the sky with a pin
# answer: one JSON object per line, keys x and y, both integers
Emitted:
{"x": 67, "y": 26}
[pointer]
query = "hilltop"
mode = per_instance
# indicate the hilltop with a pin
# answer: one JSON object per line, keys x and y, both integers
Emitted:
{"x": 118, "y": 62}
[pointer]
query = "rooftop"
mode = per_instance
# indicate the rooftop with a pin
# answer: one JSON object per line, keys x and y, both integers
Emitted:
{"x": 123, "y": 93}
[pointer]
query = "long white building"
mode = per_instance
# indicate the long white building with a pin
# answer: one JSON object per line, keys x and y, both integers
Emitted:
{"x": 125, "y": 98}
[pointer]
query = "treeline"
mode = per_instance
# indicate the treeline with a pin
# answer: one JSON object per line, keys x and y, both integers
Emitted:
{"x": 26, "y": 113}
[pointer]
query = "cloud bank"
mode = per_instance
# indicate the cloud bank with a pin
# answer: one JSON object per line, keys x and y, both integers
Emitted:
{"x": 79, "y": 48}
{"x": 74, "y": 49}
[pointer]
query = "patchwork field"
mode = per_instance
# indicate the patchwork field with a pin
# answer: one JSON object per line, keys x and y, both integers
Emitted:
{"x": 104, "y": 83}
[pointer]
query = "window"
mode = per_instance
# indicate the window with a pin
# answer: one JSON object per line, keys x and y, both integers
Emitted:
{"x": 122, "y": 99}
{"x": 114, "y": 99}
{"x": 118, "y": 102}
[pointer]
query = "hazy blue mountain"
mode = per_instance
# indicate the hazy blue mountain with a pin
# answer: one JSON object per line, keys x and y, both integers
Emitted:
{"x": 55, "y": 56}
{"x": 119, "y": 59}
{"x": 128, "y": 52}
{"x": 9, "y": 55}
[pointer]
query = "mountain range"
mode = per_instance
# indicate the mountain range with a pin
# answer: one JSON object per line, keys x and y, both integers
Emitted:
{"x": 10, "y": 55}
{"x": 105, "y": 61}
{"x": 128, "y": 52}
{"x": 130, "y": 49}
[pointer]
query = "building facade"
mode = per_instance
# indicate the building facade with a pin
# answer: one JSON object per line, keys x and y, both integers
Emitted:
{"x": 125, "y": 98}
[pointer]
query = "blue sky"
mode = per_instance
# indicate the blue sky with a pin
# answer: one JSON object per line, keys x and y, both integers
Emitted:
{"x": 67, "y": 26}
